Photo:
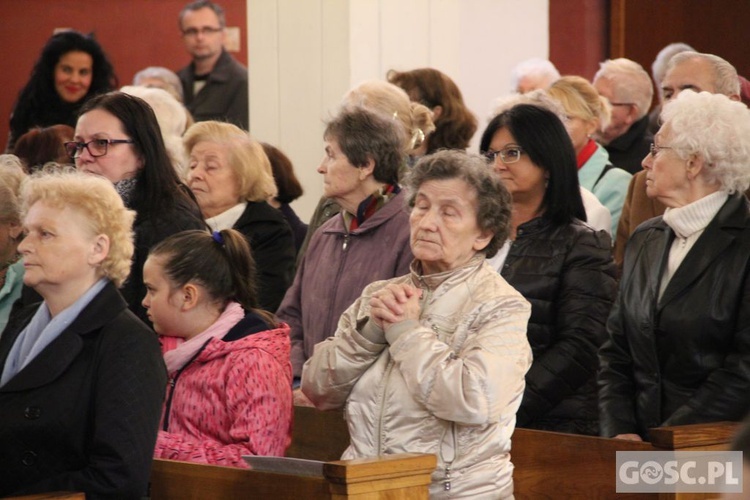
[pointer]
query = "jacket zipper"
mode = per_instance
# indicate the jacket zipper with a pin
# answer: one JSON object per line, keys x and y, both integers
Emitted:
{"x": 388, "y": 371}
{"x": 448, "y": 463}
{"x": 173, "y": 383}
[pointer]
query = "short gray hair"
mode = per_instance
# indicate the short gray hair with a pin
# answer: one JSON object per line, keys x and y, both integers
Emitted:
{"x": 172, "y": 83}
{"x": 538, "y": 97}
{"x": 630, "y": 81}
{"x": 659, "y": 66}
{"x": 536, "y": 66}
{"x": 726, "y": 81}
{"x": 205, "y": 4}
{"x": 364, "y": 134}
{"x": 725, "y": 149}
{"x": 493, "y": 199}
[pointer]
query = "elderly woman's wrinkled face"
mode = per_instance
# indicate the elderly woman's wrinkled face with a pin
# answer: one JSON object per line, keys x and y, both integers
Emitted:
{"x": 73, "y": 74}
{"x": 666, "y": 172}
{"x": 342, "y": 181}
{"x": 444, "y": 230}
{"x": 120, "y": 160}
{"x": 59, "y": 251}
{"x": 212, "y": 179}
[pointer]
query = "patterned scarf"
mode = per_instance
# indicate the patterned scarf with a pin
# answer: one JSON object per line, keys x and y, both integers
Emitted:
{"x": 125, "y": 188}
{"x": 370, "y": 205}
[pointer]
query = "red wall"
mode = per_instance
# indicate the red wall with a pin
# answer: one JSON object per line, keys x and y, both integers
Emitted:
{"x": 578, "y": 36}
{"x": 134, "y": 33}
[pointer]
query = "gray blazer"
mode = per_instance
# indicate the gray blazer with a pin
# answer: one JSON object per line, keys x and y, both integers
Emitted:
{"x": 224, "y": 97}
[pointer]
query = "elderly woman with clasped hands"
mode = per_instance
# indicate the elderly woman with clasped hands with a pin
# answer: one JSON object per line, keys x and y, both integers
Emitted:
{"x": 434, "y": 361}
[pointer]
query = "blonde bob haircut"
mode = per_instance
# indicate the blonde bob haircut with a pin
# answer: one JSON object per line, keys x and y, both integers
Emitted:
{"x": 248, "y": 161}
{"x": 393, "y": 101}
{"x": 581, "y": 100}
{"x": 96, "y": 200}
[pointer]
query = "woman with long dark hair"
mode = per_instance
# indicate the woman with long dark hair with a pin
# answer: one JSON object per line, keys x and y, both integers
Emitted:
{"x": 71, "y": 69}
{"x": 117, "y": 136}
{"x": 558, "y": 263}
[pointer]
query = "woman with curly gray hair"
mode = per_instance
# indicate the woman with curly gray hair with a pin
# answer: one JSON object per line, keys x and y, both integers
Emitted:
{"x": 679, "y": 334}
{"x": 434, "y": 361}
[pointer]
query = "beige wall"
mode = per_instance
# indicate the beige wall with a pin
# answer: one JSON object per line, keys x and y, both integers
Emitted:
{"x": 305, "y": 54}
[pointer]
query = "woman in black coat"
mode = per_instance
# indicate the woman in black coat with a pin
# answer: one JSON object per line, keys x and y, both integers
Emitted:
{"x": 81, "y": 378}
{"x": 679, "y": 335}
{"x": 558, "y": 263}
{"x": 231, "y": 178}
{"x": 117, "y": 136}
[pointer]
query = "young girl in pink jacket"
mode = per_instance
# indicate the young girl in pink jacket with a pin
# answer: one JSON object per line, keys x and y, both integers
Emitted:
{"x": 229, "y": 390}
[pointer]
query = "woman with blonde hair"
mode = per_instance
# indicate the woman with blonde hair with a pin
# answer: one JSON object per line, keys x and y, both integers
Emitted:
{"x": 82, "y": 380}
{"x": 587, "y": 112}
{"x": 231, "y": 177}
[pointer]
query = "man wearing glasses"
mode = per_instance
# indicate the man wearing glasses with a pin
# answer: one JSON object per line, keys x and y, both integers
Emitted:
{"x": 629, "y": 90}
{"x": 685, "y": 71}
{"x": 214, "y": 83}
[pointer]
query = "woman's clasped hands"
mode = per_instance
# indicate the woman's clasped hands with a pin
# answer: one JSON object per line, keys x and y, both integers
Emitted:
{"x": 395, "y": 303}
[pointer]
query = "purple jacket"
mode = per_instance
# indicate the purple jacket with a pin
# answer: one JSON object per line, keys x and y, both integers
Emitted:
{"x": 337, "y": 267}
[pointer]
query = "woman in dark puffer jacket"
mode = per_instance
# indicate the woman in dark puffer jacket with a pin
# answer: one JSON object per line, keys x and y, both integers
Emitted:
{"x": 560, "y": 264}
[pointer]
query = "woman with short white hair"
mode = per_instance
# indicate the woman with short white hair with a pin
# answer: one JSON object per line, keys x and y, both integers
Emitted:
{"x": 679, "y": 334}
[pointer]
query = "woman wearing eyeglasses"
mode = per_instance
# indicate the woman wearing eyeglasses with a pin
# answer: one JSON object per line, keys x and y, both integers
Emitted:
{"x": 560, "y": 265}
{"x": 678, "y": 350}
{"x": 117, "y": 136}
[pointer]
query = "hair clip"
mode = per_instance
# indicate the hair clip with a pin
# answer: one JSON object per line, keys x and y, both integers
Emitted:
{"x": 218, "y": 238}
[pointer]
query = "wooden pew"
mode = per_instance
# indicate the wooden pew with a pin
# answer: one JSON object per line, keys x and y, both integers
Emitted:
{"x": 395, "y": 477}
{"x": 54, "y": 495}
{"x": 547, "y": 464}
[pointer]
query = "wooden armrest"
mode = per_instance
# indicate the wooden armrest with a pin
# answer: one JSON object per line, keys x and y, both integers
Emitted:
{"x": 689, "y": 436}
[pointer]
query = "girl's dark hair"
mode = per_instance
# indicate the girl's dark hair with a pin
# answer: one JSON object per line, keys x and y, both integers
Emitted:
{"x": 41, "y": 145}
{"x": 456, "y": 125}
{"x": 39, "y": 103}
{"x": 542, "y": 136}
{"x": 283, "y": 173}
{"x": 220, "y": 262}
{"x": 159, "y": 187}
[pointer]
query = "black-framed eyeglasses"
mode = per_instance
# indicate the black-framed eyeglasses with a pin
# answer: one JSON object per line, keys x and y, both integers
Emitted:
{"x": 206, "y": 30}
{"x": 96, "y": 147}
{"x": 654, "y": 149}
{"x": 509, "y": 154}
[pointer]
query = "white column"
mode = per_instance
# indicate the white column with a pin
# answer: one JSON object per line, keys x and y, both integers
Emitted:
{"x": 303, "y": 55}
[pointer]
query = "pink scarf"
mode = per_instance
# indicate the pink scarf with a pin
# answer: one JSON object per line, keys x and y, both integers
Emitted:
{"x": 184, "y": 351}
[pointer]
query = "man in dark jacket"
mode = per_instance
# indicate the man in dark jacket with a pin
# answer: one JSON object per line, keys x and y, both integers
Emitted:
{"x": 214, "y": 84}
{"x": 629, "y": 89}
